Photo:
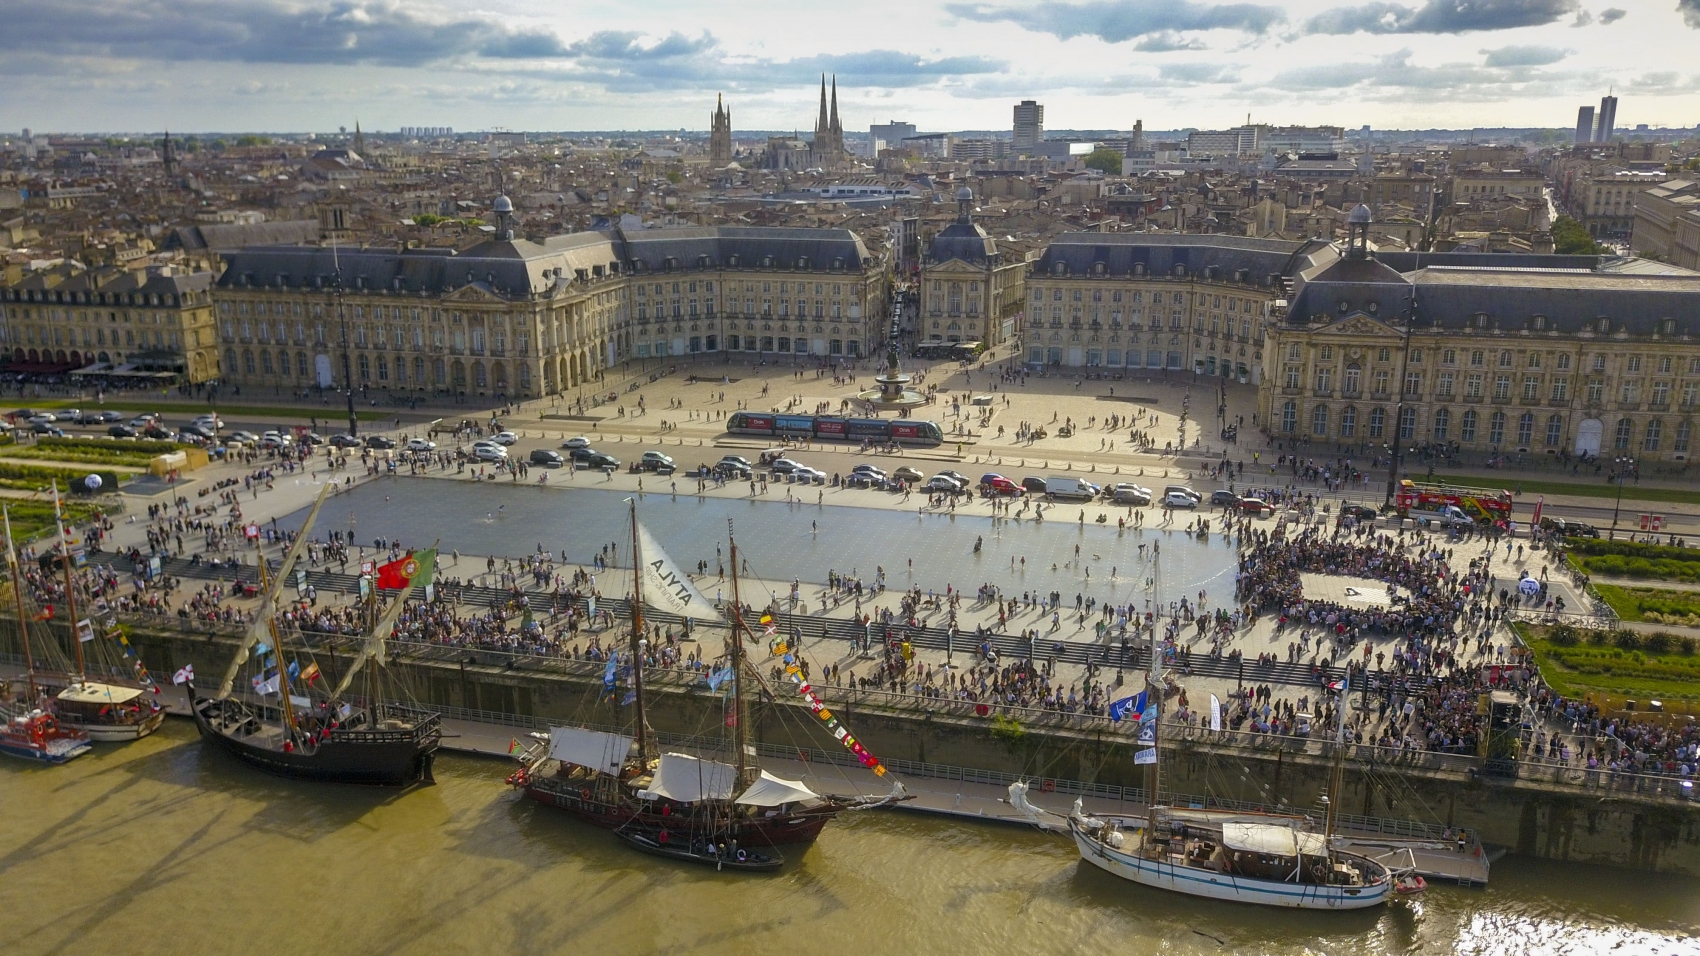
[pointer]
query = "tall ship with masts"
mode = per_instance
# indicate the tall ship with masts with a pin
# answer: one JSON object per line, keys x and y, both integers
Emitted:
{"x": 289, "y": 722}
{"x": 623, "y": 782}
{"x": 30, "y": 731}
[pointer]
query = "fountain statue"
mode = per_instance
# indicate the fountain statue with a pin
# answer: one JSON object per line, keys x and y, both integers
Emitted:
{"x": 893, "y": 392}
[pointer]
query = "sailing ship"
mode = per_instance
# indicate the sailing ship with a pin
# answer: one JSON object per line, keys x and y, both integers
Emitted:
{"x": 305, "y": 733}
{"x": 1268, "y": 859}
{"x": 107, "y": 710}
{"x": 33, "y": 733}
{"x": 619, "y": 782}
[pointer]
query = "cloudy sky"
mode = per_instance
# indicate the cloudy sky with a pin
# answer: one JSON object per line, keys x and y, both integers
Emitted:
{"x": 229, "y": 65}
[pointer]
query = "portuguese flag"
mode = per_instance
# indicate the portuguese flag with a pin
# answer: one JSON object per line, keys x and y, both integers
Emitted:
{"x": 416, "y": 568}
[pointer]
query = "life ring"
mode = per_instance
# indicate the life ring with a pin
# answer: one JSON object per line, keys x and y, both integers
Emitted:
{"x": 584, "y": 794}
{"x": 982, "y": 710}
{"x": 740, "y": 856}
{"x": 1048, "y": 786}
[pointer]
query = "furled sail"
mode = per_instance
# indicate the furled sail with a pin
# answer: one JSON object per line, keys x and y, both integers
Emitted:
{"x": 260, "y": 629}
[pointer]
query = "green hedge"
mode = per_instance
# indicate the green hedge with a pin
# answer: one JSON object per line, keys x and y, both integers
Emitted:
{"x": 1662, "y": 569}
{"x": 1630, "y": 549}
{"x": 149, "y": 446}
{"x": 34, "y": 477}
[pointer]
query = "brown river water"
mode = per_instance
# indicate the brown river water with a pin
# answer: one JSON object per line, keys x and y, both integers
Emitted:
{"x": 163, "y": 846}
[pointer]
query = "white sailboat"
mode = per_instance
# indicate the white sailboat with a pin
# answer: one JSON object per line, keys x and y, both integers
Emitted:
{"x": 1265, "y": 859}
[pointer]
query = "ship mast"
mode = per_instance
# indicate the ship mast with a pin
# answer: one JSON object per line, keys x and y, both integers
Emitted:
{"x": 1154, "y": 686}
{"x": 266, "y": 609}
{"x": 739, "y": 732}
{"x": 1339, "y": 763}
{"x": 70, "y": 586}
{"x": 643, "y": 741}
{"x": 18, "y": 595}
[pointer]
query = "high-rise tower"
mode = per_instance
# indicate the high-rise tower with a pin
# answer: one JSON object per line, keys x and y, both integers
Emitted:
{"x": 1584, "y": 125}
{"x": 1029, "y": 124}
{"x": 1607, "y": 119}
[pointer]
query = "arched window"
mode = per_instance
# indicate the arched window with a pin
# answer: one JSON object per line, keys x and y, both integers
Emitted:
{"x": 1555, "y": 430}
{"x": 1407, "y": 424}
{"x": 1467, "y": 426}
{"x": 1442, "y": 423}
{"x": 1289, "y": 417}
{"x": 1348, "y": 422}
{"x": 1620, "y": 440}
{"x": 1496, "y": 428}
{"x": 1377, "y": 422}
{"x": 1655, "y": 431}
{"x": 1319, "y": 421}
{"x": 1525, "y": 429}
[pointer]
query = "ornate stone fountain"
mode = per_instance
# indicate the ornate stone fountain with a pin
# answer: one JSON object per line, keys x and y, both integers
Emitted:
{"x": 893, "y": 392}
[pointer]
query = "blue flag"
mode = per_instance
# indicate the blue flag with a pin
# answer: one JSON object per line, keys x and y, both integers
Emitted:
{"x": 294, "y": 668}
{"x": 608, "y": 675}
{"x": 719, "y": 677}
{"x": 1127, "y": 705}
{"x": 631, "y": 695}
{"x": 1148, "y": 732}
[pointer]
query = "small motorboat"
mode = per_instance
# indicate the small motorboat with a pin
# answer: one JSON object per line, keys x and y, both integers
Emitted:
{"x": 1408, "y": 886}
{"x": 720, "y": 855}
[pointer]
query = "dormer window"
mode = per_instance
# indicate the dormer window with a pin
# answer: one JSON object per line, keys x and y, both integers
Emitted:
{"x": 1481, "y": 320}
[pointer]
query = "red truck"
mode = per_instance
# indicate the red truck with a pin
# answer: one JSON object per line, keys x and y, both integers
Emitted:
{"x": 1450, "y": 504}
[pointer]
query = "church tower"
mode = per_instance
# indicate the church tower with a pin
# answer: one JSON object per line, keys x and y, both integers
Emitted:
{"x": 720, "y": 135}
{"x": 827, "y": 151}
{"x": 168, "y": 155}
{"x": 359, "y": 140}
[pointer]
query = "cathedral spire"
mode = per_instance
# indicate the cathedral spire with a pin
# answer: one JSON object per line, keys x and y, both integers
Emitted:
{"x": 822, "y": 124}
{"x": 834, "y": 124}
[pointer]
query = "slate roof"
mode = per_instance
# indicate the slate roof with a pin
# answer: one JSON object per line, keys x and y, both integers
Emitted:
{"x": 965, "y": 241}
{"x": 520, "y": 267}
{"x": 232, "y": 237}
{"x": 1159, "y": 253}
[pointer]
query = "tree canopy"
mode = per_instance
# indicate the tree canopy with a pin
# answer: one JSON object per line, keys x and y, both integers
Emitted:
{"x": 1570, "y": 239}
{"x": 1107, "y": 160}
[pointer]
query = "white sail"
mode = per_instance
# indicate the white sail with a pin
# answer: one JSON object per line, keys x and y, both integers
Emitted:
{"x": 667, "y": 587}
{"x": 771, "y": 791}
{"x": 260, "y": 629}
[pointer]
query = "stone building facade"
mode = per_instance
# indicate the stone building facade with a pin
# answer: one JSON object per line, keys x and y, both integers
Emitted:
{"x": 1490, "y": 353}
{"x": 971, "y": 291}
{"x": 1177, "y": 305}
{"x": 515, "y": 318}
{"x": 111, "y": 321}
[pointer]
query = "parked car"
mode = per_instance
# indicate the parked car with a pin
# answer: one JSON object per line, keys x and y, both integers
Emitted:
{"x": 489, "y": 453}
{"x": 90, "y": 418}
{"x": 657, "y": 462}
{"x": 1564, "y": 527}
{"x": 863, "y": 479}
{"x": 1255, "y": 506}
{"x": 1034, "y": 484}
{"x": 1197, "y": 499}
{"x": 805, "y": 474}
{"x": 121, "y": 431}
{"x": 110, "y": 417}
{"x": 600, "y": 460}
{"x": 199, "y": 431}
{"x": 1066, "y": 488}
{"x": 1128, "y": 493}
{"x": 143, "y": 421}
{"x": 783, "y": 466}
{"x": 736, "y": 461}
{"x": 958, "y": 477}
{"x": 998, "y": 485}
{"x": 731, "y": 468}
{"x": 238, "y": 437}
{"x": 1177, "y": 499}
{"x": 942, "y": 483}
{"x": 345, "y": 441}
{"x": 209, "y": 420}
{"x": 43, "y": 418}
{"x": 1223, "y": 498}
{"x": 547, "y": 458}
{"x": 1360, "y": 512}
{"x": 505, "y": 438}
{"x": 379, "y": 441}
{"x": 868, "y": 470}
{"x": 48, "y": 428}
{"x": 577, "y": 442}
{"x": 906, "y": 473}
{"x": 421, "y": 444}
{"x": 312, "y": 438}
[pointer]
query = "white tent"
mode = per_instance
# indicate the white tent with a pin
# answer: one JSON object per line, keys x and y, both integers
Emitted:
{"x": 589, "y": 748}
{"x": 771, "y": 791}
{"x": 688, "y": 779}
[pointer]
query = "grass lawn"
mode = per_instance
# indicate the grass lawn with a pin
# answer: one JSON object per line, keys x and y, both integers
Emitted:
{"x": 1615, "y": 673}
{"x": 1599, "y": 489}
{"x": 170, "y": 407}
{"x": 33, "y": 519}
{"x": 1657, "y": 605}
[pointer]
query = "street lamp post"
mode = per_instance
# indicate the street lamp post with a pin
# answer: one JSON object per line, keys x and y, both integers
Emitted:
{"x": 1622, "y": 466}
{"x": 1399, "y": 411}
{"x": 347, "y": 372}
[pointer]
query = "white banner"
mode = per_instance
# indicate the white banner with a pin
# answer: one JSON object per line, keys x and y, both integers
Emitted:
{"x": 1145, "y": 756}
{"x": 667, "y": 587}
{"x": 1215, "y": 713}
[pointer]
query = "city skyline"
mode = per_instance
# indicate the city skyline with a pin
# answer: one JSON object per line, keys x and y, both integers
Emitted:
{"x": 279, "y": 65}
